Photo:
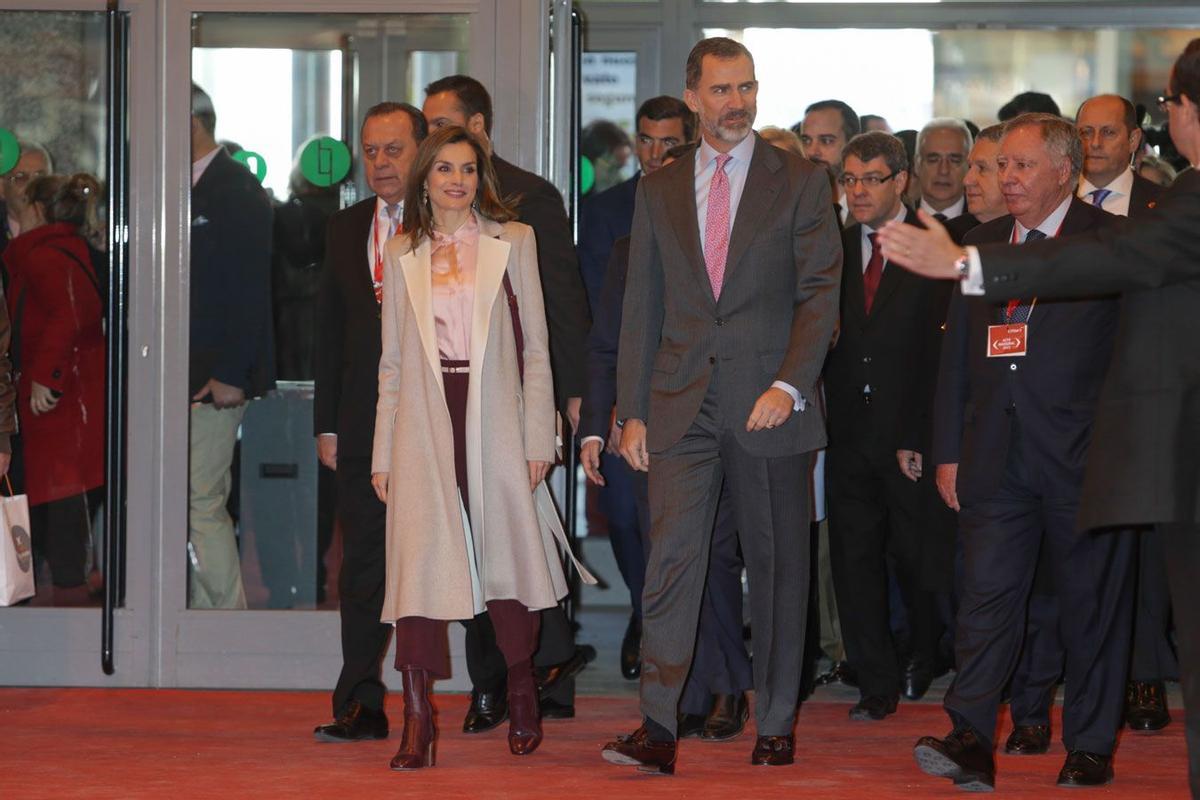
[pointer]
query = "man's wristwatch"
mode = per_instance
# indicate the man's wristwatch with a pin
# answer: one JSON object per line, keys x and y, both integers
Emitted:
{"x": 962, "y": 265}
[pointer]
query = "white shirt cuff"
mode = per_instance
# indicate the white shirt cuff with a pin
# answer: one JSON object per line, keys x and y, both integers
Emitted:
{"x": 319, "y": 435}
{"x": 587, "y": 439}
{"x": 797, "y": 400}
{"x": 973, "y": 283}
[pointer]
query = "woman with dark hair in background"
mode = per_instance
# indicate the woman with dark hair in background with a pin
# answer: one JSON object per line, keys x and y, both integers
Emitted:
{"x": 464, "y": 435}
{"x": 55, "y": 305}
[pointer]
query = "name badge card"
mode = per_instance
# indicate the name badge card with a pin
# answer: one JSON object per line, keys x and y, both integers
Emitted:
{"x": 1008, "y": 341}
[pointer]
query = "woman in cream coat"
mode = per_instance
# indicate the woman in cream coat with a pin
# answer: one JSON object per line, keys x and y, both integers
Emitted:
{"x": 462, "y": 442}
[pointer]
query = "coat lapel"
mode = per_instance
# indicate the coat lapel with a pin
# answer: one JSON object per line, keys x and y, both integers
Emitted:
{"x": 763, "y": 183}
{"x": 852, "y": 272}
{"x": 418, "y": 281}
{"x": 489, "y": 275}
{"x": 683, "y": 217}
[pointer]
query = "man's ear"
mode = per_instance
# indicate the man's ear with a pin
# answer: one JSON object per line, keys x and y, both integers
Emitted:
{"x": 476, "y": 124}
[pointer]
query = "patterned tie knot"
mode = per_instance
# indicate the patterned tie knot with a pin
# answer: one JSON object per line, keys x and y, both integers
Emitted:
{"x": 722, "y": 160}
{"x": 1099, "y": 196}
{"x": 1034, "y": 235}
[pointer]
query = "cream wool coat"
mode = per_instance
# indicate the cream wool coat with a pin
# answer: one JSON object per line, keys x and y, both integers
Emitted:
{"x": 515, "y": 533}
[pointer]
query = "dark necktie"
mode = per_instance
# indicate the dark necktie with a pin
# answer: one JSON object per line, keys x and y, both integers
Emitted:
{"x": 940, "y": 217}
{"x": 873, "y": 272}
{"x": 1099, "y": 196}
{"x": 1018, "y": 311}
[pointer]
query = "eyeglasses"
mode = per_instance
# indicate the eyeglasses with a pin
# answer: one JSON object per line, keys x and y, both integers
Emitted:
{"x": 22, "y": 178}
{"x": 1164, "y": 99}
{"x": 869, "y": 181}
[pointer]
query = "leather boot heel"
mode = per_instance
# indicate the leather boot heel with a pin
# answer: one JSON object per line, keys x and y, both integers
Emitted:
{"x": 524, "y": 718}
{"x": 418, "y": 747}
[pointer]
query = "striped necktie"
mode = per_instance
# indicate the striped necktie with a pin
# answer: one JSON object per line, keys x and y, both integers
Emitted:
{"x": 1099, "y": 196}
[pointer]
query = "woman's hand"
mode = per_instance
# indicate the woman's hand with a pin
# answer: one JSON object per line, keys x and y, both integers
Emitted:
{"x": 379, "y": 480}
{"x": 42, "y": 399}
{"x": 538, "y": 470}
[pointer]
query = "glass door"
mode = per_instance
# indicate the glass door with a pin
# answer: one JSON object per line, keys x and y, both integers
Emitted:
{"x": 272, "y": 98}
{"x": 64, "y": 239}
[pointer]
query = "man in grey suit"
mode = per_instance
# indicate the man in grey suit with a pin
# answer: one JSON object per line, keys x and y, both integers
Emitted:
{"x": 731, "y": 301}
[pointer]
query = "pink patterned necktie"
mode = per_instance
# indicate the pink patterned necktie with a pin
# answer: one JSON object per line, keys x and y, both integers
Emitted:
{"x": 716, "y": 226}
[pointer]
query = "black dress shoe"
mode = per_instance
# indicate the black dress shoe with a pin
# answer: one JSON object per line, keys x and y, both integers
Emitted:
{"x": 631, "y": 649}
{"x": 639, "y": 750}
{"x": 774, "y": 751}
{"x": 356, "y": 723}
{"x": 962, "y": 757}
{"x": 841, "y": 672}
{"x": 487, "y": 710}
{"x": 552, "y": 709}
{"x": 548, "y": 678}
{"x": 873, "y": 707}
{"x": 690, "y": 726}
{"x": 1146, "y": 706}
{"x": 918, "y": 675}
{"x": 1085, "y": 769}
{"x": 1028, "y": 740}
{"x": 727, "y": 718}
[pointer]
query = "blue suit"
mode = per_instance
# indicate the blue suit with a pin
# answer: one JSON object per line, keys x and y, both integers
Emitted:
{"x": 603, "y": 219}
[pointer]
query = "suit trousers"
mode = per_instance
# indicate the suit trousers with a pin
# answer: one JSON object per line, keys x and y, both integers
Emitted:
{"x": 214, "y": 566}
{"x": 1093, "y": 577}
{"x": 1041, "y": 664}
{"x": 875, "y": 512}
{"x": 361, "y": 584}
{"x": 773, "y": 512}
{"x": 1153, "y": 657}
{"x": 720, "y": 664}
{"x": 628, "y": 528}
{"x": 1181, "y": 544}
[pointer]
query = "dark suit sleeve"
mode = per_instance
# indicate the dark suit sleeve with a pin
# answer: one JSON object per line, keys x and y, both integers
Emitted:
{"x": 953, "y": 384}
{"x": 595, "y": 245}
{"x": 330, "y": 333}
{"x": 566, "y": 303}
{"x": 1156, "y": 250}
{"x": 242, "y": 264}
{"x": 601, "y": 394}
{"x": 817, "y": 249}
{"x": 642, "y": 314}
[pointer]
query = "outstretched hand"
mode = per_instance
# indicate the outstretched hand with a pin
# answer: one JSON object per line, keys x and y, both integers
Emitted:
{"x": 926, "y": 251}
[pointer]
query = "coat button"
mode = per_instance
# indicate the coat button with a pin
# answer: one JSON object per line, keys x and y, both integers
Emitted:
{"x": 712, "y": 359}
{"x": 866, "y": 359}
{"x": 720, "y": 322}
{"x": 1012, "y": 367}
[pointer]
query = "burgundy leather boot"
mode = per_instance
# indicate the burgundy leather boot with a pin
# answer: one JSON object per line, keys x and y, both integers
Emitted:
{"x": 418, "y": 746}
{"x": 524, "y": 718}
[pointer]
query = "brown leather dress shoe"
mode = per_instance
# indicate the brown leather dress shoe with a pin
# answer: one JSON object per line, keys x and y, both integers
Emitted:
{"x": 1146, "y": 706}
{"x": 639, "y": 750}
{"x": 1028, "y": 740}
{"x": 1085, "y": 769}
{"x": 356, "y": 723}
{"x": 727, "y": 718}
{"x": 774, "y": 751}
{"x": 690, "y": 726}
{"x": 962, "y": 757}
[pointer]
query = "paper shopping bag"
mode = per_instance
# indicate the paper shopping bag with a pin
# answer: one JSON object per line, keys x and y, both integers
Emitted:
{"x": 16, "y": 551}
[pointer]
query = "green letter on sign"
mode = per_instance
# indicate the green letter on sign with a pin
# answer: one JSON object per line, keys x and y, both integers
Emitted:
{"x": 260, "y": 164}
{"x": 10, "y": 151}
{"x": 325, "y": 161}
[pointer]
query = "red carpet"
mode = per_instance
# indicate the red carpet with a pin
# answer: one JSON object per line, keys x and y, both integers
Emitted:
{"x": 98, "y": 743}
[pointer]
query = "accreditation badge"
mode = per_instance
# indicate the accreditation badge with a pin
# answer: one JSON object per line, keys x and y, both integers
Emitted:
{"x": 1007, "y": 341}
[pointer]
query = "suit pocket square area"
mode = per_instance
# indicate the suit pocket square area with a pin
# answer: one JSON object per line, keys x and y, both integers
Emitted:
{"x": 199, "y": 220}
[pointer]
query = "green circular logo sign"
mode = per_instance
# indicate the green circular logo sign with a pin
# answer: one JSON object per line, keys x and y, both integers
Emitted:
{"x": 325, "y": 161}
{"x": 587, "y": 175}
{"x": 259, "y": 167}
{"x": 10, "y": 151}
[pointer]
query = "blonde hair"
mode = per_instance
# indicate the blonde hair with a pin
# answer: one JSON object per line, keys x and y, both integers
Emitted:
{"x": 782, "y": 138}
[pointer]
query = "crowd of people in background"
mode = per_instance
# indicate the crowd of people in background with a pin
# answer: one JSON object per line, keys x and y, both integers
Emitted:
{"x": 899, "y": 466}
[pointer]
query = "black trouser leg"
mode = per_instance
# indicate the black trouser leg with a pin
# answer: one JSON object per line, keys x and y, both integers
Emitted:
{"x": 1153, "y": 658}
{"x": 1182, "y": 547}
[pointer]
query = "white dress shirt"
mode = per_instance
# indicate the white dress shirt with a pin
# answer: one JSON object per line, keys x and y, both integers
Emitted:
{"x": 1120, "y": 188}
{"x": 951, "y": 211}
{"x": 383, "y": 223}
